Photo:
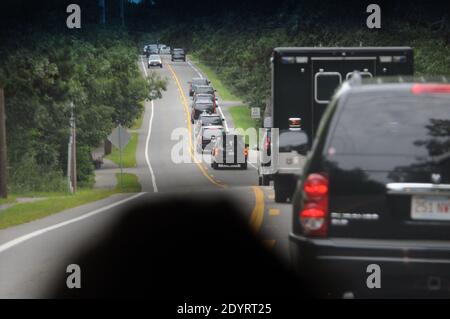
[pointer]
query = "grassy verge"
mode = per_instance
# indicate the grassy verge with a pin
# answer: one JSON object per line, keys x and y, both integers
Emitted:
{"x": 54, "y": 202}
{"x": 128, "y": 153}
{"x": 241, "y": 116}
{"x": 138, "y": 122}
{"x": 221, "y": 88}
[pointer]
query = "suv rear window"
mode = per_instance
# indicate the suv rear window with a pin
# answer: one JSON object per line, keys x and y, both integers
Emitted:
{"x": 292, "y": 140}
{"x": 394, "y": 123}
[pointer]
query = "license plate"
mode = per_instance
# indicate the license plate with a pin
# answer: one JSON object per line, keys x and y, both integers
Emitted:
{"x": 230, "y": 153}
{"x": 430, "y": 207}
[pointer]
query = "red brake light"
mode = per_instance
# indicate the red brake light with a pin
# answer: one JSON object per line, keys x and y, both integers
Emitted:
{"x": 267, "y": 143}
{"x": 316, "y": 186}
{"x": 430, "y": 88}
{"x": 313, "y": 216}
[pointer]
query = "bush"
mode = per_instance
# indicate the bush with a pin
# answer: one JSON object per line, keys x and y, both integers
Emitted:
{"x": 28, "y": 176}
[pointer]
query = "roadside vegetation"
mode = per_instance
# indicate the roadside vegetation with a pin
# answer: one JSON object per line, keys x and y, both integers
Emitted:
{"x": 236, "y": 45}
{"x": 51, "y": 203}
{"x": 223, "y": 90}
{"x": 42, "y": 74}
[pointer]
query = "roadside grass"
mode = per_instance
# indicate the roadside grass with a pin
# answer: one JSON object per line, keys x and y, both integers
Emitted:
{"x": 224, "y": 92}
{"x": 241, "y": 116}
{"x": 128, "y": 153}
{"x": 242, "y": 119}
{"x": 138, "y": 122}
{"x": 57, "y": 202}
{"x": 9, "y": 200}
{"x": 130, "y": 183}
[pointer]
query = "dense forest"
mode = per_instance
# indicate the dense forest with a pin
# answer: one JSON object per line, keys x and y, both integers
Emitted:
{"x": 237, "y": 43}
{"x": 45, "y": 66}
{"x": 44, "y": 69}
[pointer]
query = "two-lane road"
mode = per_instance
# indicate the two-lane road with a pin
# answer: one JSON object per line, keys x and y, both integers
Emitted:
{"x": 31, "y": 254}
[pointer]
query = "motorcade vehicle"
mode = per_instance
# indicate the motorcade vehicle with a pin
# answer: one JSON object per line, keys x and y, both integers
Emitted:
{"x": 229, "y": 150}
{"x": 375, "y": 190}
{"x": 303, "y": 81}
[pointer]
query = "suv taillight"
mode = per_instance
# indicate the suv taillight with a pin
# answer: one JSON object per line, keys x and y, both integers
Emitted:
{"x": 314, "y": 215}
{"x": 267, "y": 143}
{"x": 424, "y": 88}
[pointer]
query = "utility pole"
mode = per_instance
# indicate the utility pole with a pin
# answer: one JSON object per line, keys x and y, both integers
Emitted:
{"x": 102, "y": 6}
{"x": 73, "y": 160}
{"x": 3, "y": 159}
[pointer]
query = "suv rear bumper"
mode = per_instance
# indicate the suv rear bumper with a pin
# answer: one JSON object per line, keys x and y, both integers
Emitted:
{"x": 407, "y": 268}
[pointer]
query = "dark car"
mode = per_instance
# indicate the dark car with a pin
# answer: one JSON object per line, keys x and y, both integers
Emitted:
{"x": 208, "y": 119}
{"x": 375, "y": 191}
{"x": 196, "y": 81}
{"x": 201, "y": 106}
{"x": 204, "y": 89}
{"x": 178, "y": 54}
{"x": 229, "y": 150}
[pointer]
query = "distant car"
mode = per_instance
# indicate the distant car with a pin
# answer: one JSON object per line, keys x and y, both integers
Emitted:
{"x": 201, "y": 106}
{"x": 196, "y": 81}
{"x": 375, "y": 190}
{"x": 206, "y": 135}
{"x": 178, "y": 54}
{"x": 150, "y": 49}
{"x": 208, "y": 119}
{"x": 154, "y": 60}
{"x": 229, "y": 150}
{"x": 164, "y": 50}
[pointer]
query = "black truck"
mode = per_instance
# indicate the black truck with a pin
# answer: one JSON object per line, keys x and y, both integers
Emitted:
{"x": 303, "y": 81}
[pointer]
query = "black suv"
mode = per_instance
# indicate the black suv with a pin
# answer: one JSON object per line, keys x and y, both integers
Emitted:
{"x": 178, "y": 54}
{"x": 373, "y": 205}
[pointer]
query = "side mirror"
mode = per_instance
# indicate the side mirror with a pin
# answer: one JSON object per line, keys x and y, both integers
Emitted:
{"x": 223, "y": 120}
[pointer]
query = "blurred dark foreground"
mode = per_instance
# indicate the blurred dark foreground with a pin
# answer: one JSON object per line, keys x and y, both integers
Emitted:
{"x": 177, "y": 248}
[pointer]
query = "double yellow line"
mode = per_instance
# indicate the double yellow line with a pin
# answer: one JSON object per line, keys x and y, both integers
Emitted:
{"x": 191, "y": 146}
{"x": 257, "y": 215}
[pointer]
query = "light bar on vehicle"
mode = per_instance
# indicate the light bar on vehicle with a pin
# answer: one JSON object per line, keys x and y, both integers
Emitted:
{"x": 425, "y": 88}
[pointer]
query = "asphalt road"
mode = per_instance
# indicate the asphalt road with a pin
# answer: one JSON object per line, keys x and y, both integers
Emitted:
{"x": 31, "y": 254}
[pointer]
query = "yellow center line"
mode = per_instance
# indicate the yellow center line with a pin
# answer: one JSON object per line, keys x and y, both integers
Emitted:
{"x": 257, "y": 215}
{"x": 191, "y": 146}
{"x": 274, "y": 212}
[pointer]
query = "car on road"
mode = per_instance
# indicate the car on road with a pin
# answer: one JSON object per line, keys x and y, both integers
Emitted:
{"x": 375, "y": 191}
{"x": 206, "y": 135}
{"x": 196, "y": 81}
{"x": 201, "y": 106}
{"x": 178, "y": 54}
{"x": 163, "y": 49}
{"x": 229, "y": 150}
{"x": 150, "y": 49}
{"x": 208, "y": 119}
{"x": 154, "y": 60}
{"x": 203, "y": 89}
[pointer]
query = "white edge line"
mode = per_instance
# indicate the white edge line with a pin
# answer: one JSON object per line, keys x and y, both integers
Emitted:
{"x": 42, "y": 231}
{"x": 147, "y": 141}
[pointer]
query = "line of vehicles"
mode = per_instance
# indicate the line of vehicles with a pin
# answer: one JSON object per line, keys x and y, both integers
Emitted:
{"x": 226, "y": 149}
{"x": 362, "y": 149}
{"x": 153, "y": 54}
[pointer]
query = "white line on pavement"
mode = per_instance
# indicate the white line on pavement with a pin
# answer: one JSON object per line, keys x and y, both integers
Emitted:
{"x": 42, "y": 231}
{"x": 147, "y": 141}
